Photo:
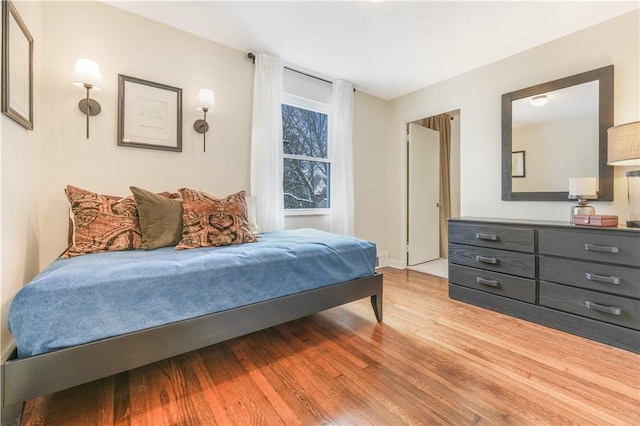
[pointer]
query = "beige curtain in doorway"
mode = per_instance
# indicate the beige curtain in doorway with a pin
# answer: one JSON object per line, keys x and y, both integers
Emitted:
{"x": 442, "y": 124}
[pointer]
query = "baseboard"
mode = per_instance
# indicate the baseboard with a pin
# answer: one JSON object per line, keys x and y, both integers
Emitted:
{"x": 397, "y": 264}
{"x": 382, "y": 260}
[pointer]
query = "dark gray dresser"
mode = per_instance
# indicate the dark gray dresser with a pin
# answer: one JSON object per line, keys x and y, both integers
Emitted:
{"x": 582, "y": 280}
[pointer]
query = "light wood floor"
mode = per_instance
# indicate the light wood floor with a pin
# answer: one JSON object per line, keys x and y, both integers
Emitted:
{"x": 432, "y": 361}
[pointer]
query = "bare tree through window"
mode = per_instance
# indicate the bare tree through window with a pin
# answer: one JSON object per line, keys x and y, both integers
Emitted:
{"x": 306, "y": 165}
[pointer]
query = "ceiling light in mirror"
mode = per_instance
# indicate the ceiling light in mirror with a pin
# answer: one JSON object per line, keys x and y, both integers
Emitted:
{"x": 538, "y": 101}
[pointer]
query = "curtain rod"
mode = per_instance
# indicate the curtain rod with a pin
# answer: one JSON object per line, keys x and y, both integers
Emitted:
{"x": 253, "y": 58}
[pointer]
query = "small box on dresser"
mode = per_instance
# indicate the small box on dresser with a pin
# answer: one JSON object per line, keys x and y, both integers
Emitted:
{"x": 584, "y": 281}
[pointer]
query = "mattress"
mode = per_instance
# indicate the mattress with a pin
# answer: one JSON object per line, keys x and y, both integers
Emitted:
{"x": 101, "y": 295}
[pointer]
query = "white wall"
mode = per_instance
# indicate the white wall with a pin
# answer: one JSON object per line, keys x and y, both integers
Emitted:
{"x": 373, "y": 209}
{"x": 574, "y": 142}
{"x": 19, "y": 190}
{"x": 478, "y": 96}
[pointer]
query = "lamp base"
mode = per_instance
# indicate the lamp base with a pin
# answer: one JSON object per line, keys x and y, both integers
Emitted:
{"x": 91, "y": 105}
{"x": 581, "y": 209}
{"x": 633, "y": 198}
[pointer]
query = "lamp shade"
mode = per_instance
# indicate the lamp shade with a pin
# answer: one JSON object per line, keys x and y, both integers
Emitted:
{"x": 623, "y": 145}
{"x": 206, "y": 99}
{"x": 87, "y": 72}
{"x": 583, "y": 187}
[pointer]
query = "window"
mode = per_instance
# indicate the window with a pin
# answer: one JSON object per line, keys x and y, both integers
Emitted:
{"x": 307, "y": 169}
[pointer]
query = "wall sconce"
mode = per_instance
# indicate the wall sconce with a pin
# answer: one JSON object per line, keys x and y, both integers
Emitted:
{"x": 623, "y": 149}
{"x": 87, "y": 74}
{"x": 583, "y": 189}
{"x": 206, "y": 102}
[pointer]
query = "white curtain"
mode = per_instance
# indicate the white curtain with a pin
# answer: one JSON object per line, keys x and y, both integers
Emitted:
{"x": 341, "y": 157}
{"x": 266, "y": 144}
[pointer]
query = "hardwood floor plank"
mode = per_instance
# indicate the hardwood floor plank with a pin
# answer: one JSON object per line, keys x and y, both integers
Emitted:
{"x": 242, "y": 400}
{"x": 432, "y": 361}
{"x": 445, "y": 393}
{"x": 121, "y": 401}
{"x": 350, "y": 396}
{"x": 546, "y": 378}
{"x": 288, "y": 416}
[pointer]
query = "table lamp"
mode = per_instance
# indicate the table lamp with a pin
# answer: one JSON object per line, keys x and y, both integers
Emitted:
{"x": 582, "y": 189}
{"x": 623, "y": 149}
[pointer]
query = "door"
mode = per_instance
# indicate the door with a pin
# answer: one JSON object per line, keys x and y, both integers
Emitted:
{"x": 423, "y": 233}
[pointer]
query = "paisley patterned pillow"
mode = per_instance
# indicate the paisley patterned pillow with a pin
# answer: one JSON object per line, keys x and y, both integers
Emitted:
{"x": 101, "y": 223}
{"x": 211, "y": 221}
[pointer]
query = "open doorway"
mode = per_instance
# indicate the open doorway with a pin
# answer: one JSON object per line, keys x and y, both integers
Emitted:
{"x": 449, "y": 192}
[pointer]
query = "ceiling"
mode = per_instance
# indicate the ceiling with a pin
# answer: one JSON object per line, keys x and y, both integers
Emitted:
{"x": 386, "y": 48}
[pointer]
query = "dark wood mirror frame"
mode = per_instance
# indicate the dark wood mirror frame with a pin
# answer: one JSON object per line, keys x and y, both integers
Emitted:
{"x": 605, "y": 101}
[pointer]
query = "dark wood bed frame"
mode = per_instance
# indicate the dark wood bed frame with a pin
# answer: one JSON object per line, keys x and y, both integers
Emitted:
{"x": 24, "y": 379}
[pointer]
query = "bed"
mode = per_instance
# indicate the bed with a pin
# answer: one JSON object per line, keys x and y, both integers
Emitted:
{"x": 140, "y": 306}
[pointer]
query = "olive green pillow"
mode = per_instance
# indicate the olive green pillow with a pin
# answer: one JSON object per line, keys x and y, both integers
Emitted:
{"x": 160, "y": 218}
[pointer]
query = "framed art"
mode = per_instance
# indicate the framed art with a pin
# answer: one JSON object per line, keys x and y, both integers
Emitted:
{"x": 518, "y": 164}
{"x": 149, "y": 114}
{"x": 17, "y": 67}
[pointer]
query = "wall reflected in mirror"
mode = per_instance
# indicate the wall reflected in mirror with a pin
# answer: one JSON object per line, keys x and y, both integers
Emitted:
{"x": 559, "y": 136}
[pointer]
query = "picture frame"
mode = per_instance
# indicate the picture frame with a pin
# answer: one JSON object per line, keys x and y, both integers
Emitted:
{"x": 149, "y": 114}
{"x": 518, "y": 164}
{"x": 17, "y": 67}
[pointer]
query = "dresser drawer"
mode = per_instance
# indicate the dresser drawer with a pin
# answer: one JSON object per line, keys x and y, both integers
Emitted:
{"x": 506, "y": 262}
{"x": 493, "y": 282}
{"x": 600, "y": 306}
{"x": 493, "y": 236}
{"x": 614, "y": 279}
{"x": 591, "y": 245}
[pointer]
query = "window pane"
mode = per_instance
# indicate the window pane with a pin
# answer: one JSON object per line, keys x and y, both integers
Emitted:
{"x": 306, "y": 184}
{"x": 304, "y": 132}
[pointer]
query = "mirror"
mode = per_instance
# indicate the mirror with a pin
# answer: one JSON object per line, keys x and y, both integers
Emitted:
{"x": 564, "y": 136}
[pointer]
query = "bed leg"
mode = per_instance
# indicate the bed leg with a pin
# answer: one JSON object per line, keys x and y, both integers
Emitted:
{"x": 376, "y": 302}
{"x": 11, "y": 414}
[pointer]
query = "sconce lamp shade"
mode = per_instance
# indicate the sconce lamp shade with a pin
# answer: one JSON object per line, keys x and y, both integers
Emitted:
{"x": 583, "y": 188}
{"x": 206, "y": 99}
{"x": 87, "y": 72}
{"x": 623, "y": 147}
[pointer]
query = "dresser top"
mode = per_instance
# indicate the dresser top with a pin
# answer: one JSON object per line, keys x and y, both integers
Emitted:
{"x": 545, "y": 223}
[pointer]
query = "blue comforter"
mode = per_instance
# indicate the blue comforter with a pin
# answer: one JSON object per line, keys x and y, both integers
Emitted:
{"x": 95, "y": 296}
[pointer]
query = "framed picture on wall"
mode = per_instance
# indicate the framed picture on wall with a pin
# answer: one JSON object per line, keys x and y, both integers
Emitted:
{"x": 518, "y": 164}
{"x": 149, "y": 114}
{"x": 17, "y": 67}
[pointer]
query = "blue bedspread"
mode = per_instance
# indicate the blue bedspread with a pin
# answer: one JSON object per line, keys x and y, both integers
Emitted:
{"x": 95, "y": 296}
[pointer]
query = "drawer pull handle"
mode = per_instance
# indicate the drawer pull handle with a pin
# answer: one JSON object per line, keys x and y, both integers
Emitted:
{"x": 490, "y": 260}
{"x": 486, "y": 237}
{"x": 604, "y": 249}
{"x": 613, "y": 310}
{"x": 602, "y": 278}
{"x": 485, "y": 281}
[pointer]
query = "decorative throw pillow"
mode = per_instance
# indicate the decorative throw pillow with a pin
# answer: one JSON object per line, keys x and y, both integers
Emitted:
{"x": 209, "y": 221}
{"x": 251, "y": 212}
{"x": 160, "y": 218}
{"x": 101, "y": 223}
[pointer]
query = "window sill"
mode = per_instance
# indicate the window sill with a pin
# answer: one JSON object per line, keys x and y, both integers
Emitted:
{"x": 307, "y": 212}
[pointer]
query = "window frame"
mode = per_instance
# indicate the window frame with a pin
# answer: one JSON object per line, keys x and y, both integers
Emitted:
{"x": 322, "y": 108}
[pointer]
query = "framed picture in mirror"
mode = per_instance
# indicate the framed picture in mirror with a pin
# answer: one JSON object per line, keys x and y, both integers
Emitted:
{"x": 518, "y": 164}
